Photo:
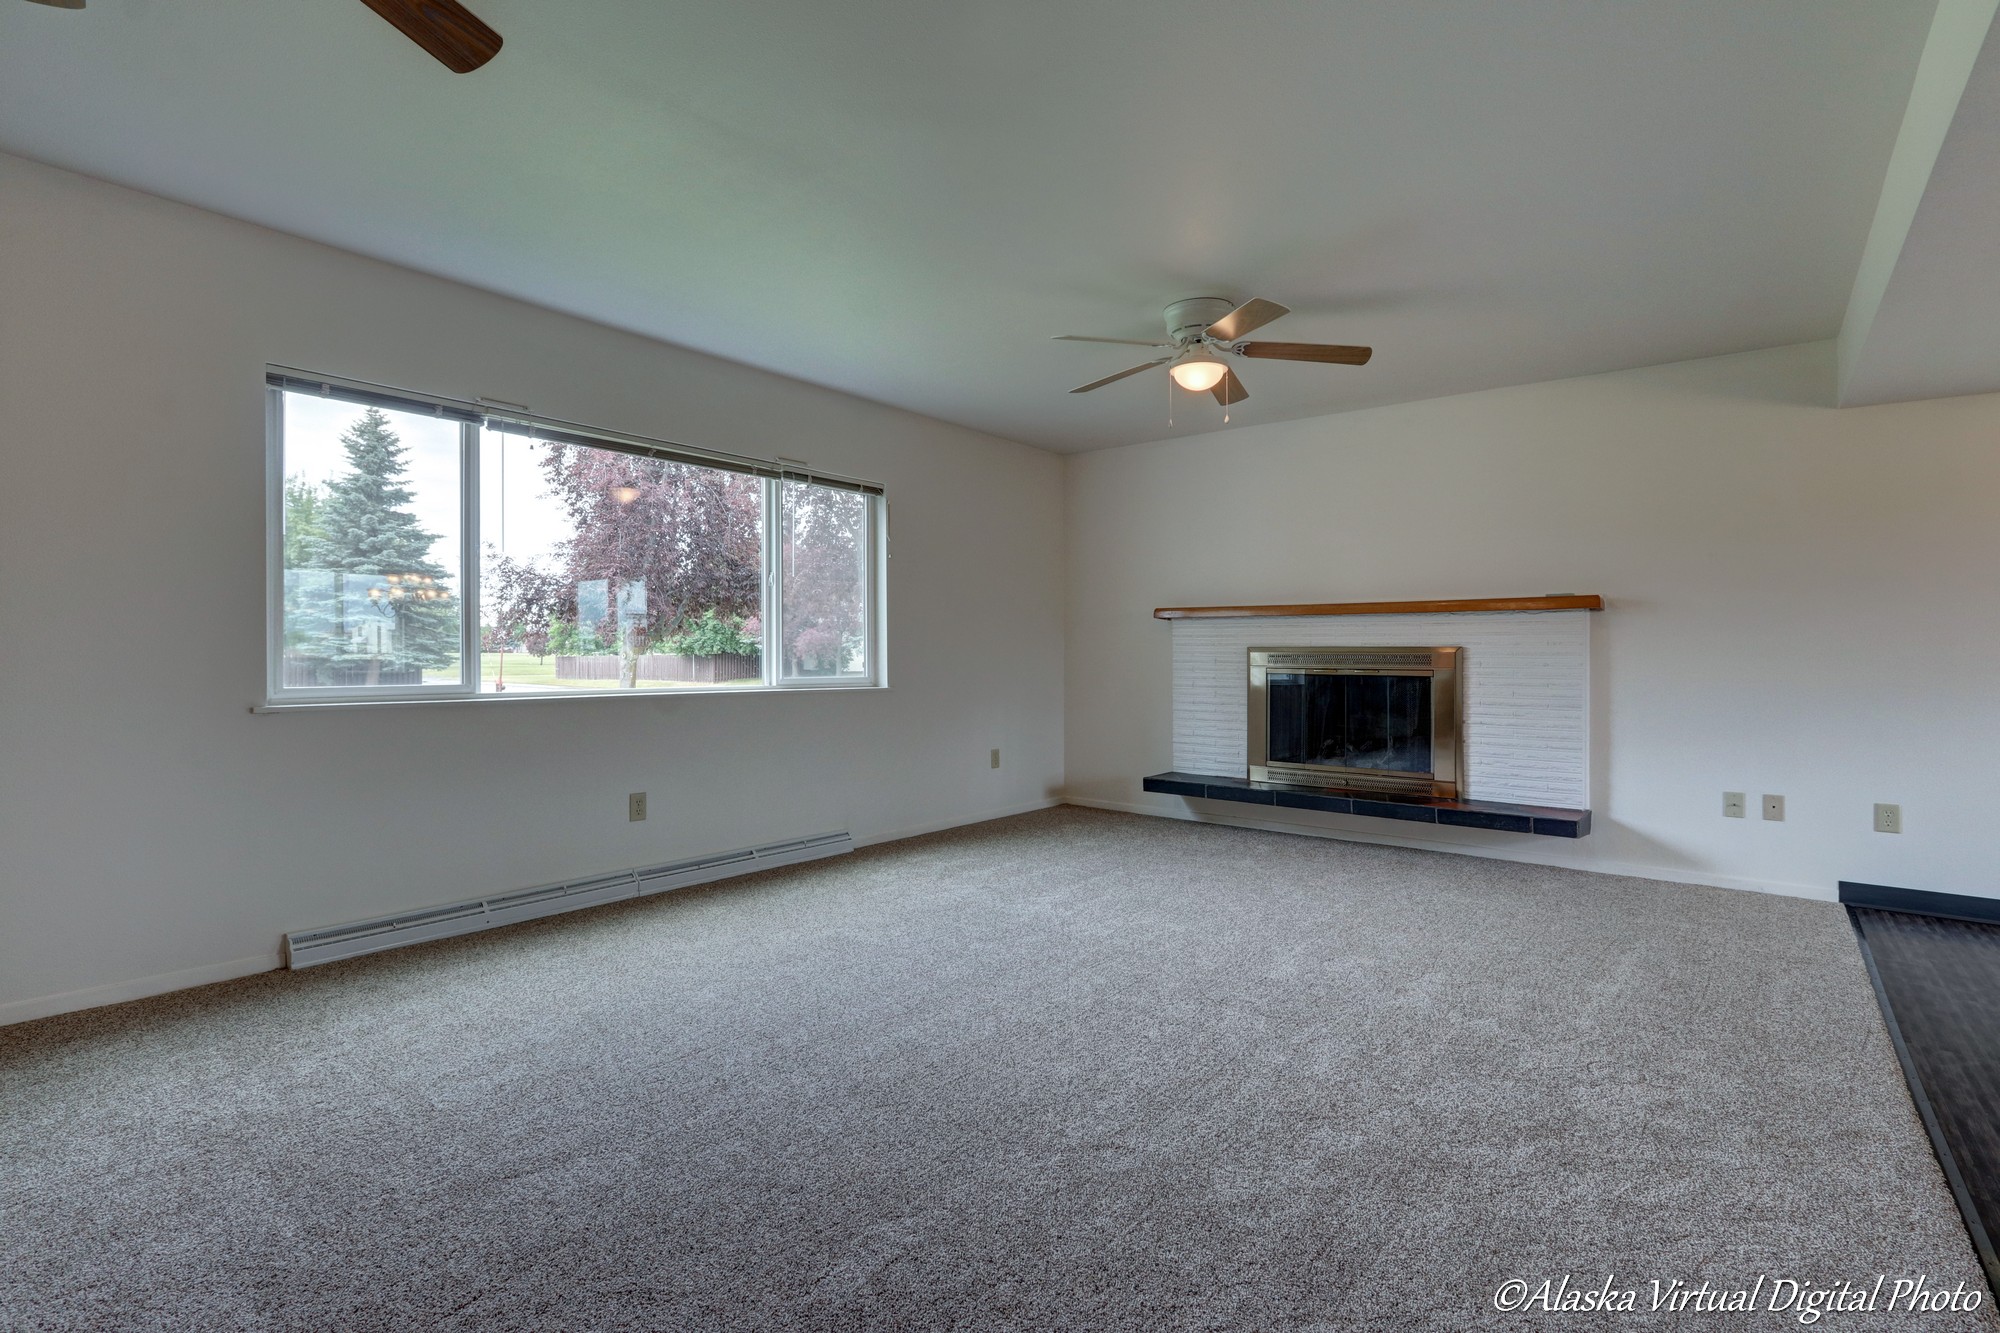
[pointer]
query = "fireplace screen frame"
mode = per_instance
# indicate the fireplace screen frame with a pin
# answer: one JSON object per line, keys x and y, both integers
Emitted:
{"x": 1441, "y": 665}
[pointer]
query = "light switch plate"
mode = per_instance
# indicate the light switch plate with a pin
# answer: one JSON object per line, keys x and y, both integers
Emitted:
{"x": 1774, "y": 807}
{"x": 1732, "y": 804}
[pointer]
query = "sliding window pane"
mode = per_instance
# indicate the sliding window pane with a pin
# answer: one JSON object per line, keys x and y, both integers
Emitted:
{"x": 371, "y": 547}
{"x": 824, "y": 577}
{"x": 604, "y": 570}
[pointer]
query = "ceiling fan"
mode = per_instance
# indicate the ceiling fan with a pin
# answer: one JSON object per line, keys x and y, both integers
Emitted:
{"x": 1202, "y": 327}
{"x": 445, "y": 28}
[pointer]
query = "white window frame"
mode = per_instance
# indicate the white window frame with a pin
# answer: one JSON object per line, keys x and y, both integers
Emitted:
{"x": 280, "y": 697}
{"x": 874, "y": 541}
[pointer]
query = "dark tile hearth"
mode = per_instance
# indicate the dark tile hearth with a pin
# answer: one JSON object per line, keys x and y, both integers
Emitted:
{"x": 1501, "y": 816}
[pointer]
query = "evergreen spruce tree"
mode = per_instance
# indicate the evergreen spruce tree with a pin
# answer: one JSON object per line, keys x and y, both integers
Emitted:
{"x": 308, "y": 597}
{"x": 361, "y": 528}
{"x": 302, "y": 501}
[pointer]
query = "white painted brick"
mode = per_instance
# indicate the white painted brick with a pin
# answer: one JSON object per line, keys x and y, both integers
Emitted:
{"x": 1524, "y": 682}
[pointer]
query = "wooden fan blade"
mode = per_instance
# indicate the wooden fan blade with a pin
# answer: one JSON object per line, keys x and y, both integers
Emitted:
{"x": 1113, "y": 379}
{"x": 61, "y": 4}
{"x": 445, "y": 28}
{"x": 1328, "y": 353}
{"x": 1229, "y": 389}
{"x": 1123, "y": 342}
{"x": 1252, "y": 314}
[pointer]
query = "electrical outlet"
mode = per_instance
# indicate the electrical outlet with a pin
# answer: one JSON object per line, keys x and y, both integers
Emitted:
{"x": 1774, "y": 807}
{"x": 996, "y": 759}
{"x": 1732, "y": 805}
{"x": 635, "y": 806}
{"x": 1888, "y": 819}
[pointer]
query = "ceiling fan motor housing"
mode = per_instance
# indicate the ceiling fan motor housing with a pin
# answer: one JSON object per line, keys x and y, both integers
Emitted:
{"x": 1189, "y": 319}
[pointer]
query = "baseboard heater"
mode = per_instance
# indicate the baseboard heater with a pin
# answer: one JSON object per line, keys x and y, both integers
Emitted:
{"x": 305, "y": 948}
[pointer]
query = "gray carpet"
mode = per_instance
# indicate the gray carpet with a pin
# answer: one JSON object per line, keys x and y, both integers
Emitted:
{"x": 1068, "y": 1071}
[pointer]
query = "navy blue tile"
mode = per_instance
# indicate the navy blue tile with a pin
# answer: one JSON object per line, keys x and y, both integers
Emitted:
{"x": 1422, "y": 814}
{"x": 1488, "y": 819}
{"x": 1498, "y": 816}
{"x": 1247, "y": 794}
{"x": 1312, "y": 800}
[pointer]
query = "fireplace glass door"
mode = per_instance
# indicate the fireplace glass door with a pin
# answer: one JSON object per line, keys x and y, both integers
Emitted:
{"x": 1342, "y": 721}
{"x": 1372, "y": 719}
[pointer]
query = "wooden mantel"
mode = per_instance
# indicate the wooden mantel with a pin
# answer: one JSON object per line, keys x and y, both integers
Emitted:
{"x": 1564, "y": 602}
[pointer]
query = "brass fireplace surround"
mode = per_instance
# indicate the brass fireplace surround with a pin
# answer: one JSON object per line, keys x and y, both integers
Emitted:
{"x": 1439, "y": 664}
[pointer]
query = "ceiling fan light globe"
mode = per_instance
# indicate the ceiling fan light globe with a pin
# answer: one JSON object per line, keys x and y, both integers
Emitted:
{"x": 1198, "y": 376}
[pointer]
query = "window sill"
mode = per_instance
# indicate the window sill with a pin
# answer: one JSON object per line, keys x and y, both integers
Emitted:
{"x": 556, "y": 696}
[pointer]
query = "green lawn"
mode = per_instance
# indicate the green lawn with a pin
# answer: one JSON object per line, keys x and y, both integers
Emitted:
{"x": 522, "y": 668}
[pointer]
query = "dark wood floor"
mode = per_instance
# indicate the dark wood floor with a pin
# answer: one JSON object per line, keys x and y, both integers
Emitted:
{"x": 1939, "y": 984}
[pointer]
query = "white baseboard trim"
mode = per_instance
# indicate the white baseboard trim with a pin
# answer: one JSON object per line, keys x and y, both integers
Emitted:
{"x": 93, "y": 997}
{"x": 117, "y": 992}
{"x": 1629, "y": 869}
{"x": 919, "y": 830}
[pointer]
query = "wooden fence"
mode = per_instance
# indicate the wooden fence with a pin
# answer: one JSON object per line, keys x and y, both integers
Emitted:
{"x": 678, "y": 667}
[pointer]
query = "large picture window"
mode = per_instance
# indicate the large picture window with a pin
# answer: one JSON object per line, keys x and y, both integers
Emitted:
{"x": 425, "y": 548}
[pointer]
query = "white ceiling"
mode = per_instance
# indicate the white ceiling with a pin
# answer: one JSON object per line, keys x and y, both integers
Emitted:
{"x": 905, "y": 199}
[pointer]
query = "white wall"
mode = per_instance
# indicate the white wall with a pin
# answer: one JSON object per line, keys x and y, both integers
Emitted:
{"x": 1803, "y": 600}
{"x": 153, "y": 832}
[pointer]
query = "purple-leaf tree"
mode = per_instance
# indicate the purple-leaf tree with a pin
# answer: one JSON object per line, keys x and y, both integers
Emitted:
{"x": 823, "y": 542}
{"x": 688, "y": 536}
